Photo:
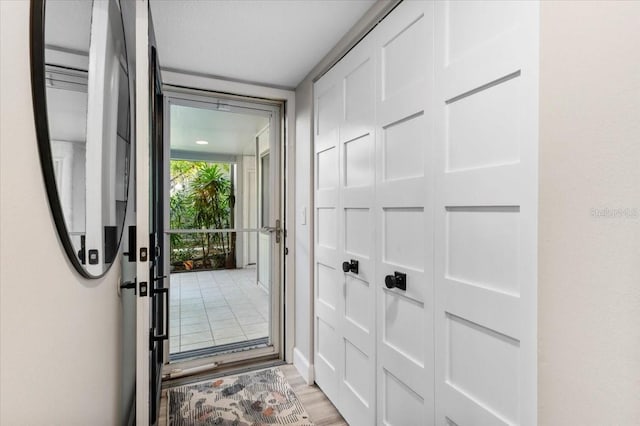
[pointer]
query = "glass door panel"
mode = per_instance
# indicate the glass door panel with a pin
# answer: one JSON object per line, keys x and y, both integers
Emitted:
{"x": 223, "y": 190}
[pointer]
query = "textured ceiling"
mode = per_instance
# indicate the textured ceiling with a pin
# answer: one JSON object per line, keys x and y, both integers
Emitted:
{"x": 274, "y": 42}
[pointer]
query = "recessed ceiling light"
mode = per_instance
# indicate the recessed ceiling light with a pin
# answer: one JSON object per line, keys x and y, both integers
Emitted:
{"x": 202, "y": 142}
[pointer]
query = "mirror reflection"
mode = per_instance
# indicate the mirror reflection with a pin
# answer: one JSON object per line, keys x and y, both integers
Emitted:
{"x": 87, "y": 107}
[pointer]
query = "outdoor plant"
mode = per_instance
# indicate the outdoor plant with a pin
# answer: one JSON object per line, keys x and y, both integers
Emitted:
{"x": 201, "y": 198}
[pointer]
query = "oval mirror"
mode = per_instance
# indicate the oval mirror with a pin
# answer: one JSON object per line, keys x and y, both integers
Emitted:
{"x": 80, "y": 84}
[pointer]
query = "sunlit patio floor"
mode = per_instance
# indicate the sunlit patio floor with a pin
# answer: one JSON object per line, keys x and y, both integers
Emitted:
{"x": 211, "y": 308}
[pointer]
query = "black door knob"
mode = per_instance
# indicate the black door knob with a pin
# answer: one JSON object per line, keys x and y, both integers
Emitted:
{"x": 351, "y": 266}
{"x": 397, "y": 280}
{"x": 390, "y": 281}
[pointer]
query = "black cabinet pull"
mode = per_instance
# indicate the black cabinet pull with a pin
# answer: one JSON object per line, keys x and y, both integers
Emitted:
{"x": 397, "y": 280}
{"x": 351, "y": 266}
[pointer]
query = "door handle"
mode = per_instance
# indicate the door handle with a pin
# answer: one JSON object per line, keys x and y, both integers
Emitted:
{"x": 129, "y": 285}
{"x": 397, "y": 280}
{"x": 351, "y": 266}
{"x": 153, "y": 337}
{"x": 271, "y": 229}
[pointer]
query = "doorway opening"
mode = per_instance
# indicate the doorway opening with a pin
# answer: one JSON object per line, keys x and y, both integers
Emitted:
{"x": 222, "y": 234}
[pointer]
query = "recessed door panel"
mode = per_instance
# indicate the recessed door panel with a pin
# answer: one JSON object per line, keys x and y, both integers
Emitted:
{"x": 327, "y": 286}
{"x": 328, "y": 109}
{"x": 400, "y": 333}
{"x": 326, "y": 226}
{"x": 358, "y": 313}
{"x": 356, "y": 375}
{"x": 482, "y": 247}
{"x": 478, "y": 136}
{"x": 471, "y": 23}
{"x": 358, "y": 160}
{"x": 404, "y": 147}
{"x": 402, "y": 406}
{"x": 404, "y": 57}
{"x": 359, "y": 92}
{"x": 357, "y": 231}
{"x": 327, "y": 168}
{"x": 403, "y": 237}
{"x": 328, "y": 344}
{"x": 483, "y": 364}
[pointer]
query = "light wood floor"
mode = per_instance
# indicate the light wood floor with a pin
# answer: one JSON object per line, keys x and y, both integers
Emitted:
{"x": 320, "y": 409}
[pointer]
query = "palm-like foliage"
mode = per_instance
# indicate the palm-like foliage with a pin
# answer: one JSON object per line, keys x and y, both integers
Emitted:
{"x": 201, "y": 198}
{"x": 209, "y": 197}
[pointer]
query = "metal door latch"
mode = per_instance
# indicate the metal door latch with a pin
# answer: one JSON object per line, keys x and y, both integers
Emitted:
{"x": 130, "y": 285}
{"x": 271, "y": 229}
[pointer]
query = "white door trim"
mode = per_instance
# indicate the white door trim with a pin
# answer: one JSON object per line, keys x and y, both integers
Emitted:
{"x": 287, "y": 169}
{"x": 142, "y": 209}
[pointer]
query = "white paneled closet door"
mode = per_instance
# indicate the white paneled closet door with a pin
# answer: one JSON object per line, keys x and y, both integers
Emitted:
{"x": 328, "y": 107}
{"x": 404, "y": 215}
{"x": 486, "y": 212}
{"x": 426, "y": 176}
{"x": 357, "y": 180}
{"x": 345, "y": 152}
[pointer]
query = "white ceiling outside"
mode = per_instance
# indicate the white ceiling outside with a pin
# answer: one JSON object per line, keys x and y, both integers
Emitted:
{"x": 273, "y": 42}
{"x": 68, "y": 24}
{"x": 228, "y": 133}
{"x": 67, "y": 114}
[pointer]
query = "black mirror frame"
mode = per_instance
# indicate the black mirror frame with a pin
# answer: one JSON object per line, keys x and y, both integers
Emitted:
{"x": 39, "y": 98}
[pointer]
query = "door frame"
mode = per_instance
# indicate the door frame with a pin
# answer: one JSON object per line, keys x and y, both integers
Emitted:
{"x": 194, "y": 86}
{"x": 211, "y": 101}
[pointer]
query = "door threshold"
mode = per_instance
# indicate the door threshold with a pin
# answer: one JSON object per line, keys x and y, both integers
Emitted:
{"x": 220, "y": 370}
{"x": 244, "y": 345}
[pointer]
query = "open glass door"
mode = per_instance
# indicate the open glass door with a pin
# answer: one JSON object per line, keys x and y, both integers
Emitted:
{"x": 152, "y": 293}
{"x": 159, "y": 292}
{"x": 223, "y": 231}
{"x": 208, "y": 234}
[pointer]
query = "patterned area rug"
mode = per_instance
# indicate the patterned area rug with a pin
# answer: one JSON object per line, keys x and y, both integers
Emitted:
{"x": 253, "y": 399}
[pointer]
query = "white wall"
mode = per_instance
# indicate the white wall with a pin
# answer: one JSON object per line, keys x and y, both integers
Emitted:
{"x": 304, "y": 229}
{"x": 60, "y": 335}
{"x": 589, "y": 267}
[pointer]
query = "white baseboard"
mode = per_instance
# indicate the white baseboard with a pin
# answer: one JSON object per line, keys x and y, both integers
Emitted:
{"x": 303, "y": 366}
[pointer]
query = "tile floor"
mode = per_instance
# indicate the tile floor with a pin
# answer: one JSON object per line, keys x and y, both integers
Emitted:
{"x": 209, "y": 308}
